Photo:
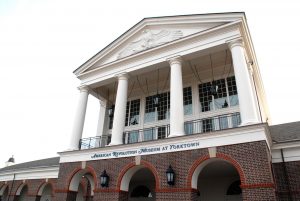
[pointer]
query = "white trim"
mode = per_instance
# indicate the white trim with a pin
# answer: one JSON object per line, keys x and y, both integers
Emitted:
{"x": 30, "y": 173}
{"x": 184, "y": 46}
{"x": 218, "y": 138}
{"x": 190, "y": 20}
{"x": 289, "y": 154}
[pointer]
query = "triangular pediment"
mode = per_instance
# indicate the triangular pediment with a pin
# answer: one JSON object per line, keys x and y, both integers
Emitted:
{"x": 155, "y": 32}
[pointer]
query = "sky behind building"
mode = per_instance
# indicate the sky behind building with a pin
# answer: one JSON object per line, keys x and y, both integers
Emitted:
{"x": 43, "y": 41}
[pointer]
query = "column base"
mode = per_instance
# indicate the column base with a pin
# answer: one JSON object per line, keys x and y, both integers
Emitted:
{"x": 113, "y": 144}
{"x": 176, "y": 135}
{"x": 249, "y": 122}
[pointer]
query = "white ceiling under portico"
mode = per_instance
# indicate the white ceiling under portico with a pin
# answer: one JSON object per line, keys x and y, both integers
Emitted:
{"x": 152, "y": 33}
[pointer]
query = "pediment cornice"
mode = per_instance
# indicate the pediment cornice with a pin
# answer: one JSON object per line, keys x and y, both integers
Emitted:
{"x": 151, "y": 33}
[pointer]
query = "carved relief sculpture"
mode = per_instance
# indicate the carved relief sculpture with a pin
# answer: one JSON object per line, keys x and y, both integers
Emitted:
{"x": 149, "y": 39}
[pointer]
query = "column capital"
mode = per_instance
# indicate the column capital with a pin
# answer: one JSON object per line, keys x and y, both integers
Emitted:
{"x": 83, "y": 88}
{"x": 175, "y": 60}
{"x": 122, "y": 76}
{"x": 235, "y": 42}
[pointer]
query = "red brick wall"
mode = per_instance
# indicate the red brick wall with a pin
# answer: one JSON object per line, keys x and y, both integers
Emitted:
{"x": 251, "y": 160}
{"x": 33, "y": 187}
{"x": 287, "y": 180}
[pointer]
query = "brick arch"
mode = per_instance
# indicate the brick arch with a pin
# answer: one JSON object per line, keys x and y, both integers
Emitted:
{"x": 130, "y": 166}
{"x": 20, "y": 187}
{"x": 41, "y": 187}
{"x": 78, "y": 173}
{"x": 3, "y": 188}
{"x": 205, "y": 159}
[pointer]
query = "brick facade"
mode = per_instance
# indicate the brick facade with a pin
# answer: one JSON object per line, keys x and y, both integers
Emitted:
{"x": 287, "y": 177}
{"x": 33, "y": 186}
{"x": 251, "y": 160}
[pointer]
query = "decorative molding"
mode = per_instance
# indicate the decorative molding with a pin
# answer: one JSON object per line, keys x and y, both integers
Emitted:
{"x": 175, "y": 60}
{"x": 212, "y": 152}
{"x": 218, "y": 138}
{"x": 148, "y": 39}
{"x": 235, "y": 42}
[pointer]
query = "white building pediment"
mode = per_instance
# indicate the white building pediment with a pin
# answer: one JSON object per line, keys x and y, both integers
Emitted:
{"x": 153, "y": 33}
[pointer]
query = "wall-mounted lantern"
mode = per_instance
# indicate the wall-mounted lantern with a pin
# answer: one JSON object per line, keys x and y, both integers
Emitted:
{"x": 104, "y": 179}
{"x": 170, "y": 176}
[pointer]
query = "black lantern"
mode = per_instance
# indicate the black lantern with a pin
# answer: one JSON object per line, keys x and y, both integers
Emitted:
{"x": 156, "y": 100}
{"x": 104, "y": 178}
{"x": 170, "y": 176}
{"x": 111, "y": 111}
{"x": 225, "y": 104}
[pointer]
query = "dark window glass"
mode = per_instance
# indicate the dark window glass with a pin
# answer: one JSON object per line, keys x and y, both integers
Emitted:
{"x": 207, "y": 125}
{"x": 161, "y": 132}
{"x": 150, "y": 109}
{"x": 187, "y": 100}
{"x": 163, "y": 108}
{"x": 221, "y": 95}
{"x": 132, "y": 112}
{"x": 205, "y": 97}
{"x": 111, "y": 118}
{"x": 232, "y": 91}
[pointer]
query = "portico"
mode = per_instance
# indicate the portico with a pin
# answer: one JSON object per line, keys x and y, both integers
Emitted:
{"x": 196, "y": 89}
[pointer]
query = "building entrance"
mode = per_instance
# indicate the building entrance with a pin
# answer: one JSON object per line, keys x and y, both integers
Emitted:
{"x": 142, "y": 186}
{"x": 219, "y": 180}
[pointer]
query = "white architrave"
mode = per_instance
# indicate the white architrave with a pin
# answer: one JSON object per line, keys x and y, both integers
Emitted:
{"x": 176, "y": 98}
{"x": 79, "y": 118}
{"x": 120, "y": 110}
{"x": 243, "y": 81}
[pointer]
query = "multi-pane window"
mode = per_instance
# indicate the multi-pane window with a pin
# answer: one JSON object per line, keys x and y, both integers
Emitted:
{"x": 163, "y": 108}
{"x": 187, "y": 100}
{"x": 111, "y": 117}
{"x": 205, "y": 97}
{"x": 161, "y": 132}
{"x": 218, "y": 94}
{"x": 132, "y": 112}
{"x": 232, "y": 91}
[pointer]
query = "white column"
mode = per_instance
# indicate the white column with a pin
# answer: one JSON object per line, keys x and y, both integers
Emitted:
{"x": 247, "y": 100}
{"x": 102, "y": 125}
{"x": 101, "y": 118}
{"x": 79, "y": 118}
{"x": 120, "y": 110}
{"x": 176, "y": 98}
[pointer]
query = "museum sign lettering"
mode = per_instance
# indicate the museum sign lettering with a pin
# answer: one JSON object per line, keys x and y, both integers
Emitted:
{"x": 147, "y": 150}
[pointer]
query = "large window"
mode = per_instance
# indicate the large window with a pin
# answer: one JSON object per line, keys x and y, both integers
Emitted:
{"x": 187, "y": 100}
{"x": 161, "y": 112}
{"x": 163, "y": 108}
{"x": 132, "y": 112}
{"x": 218, "y": 94}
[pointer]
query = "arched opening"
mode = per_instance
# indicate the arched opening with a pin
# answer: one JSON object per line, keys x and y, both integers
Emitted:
{"x": 45, "y": 192}
{"x": 4, "y": 193}
{"x": 142, "y": 186}
{"x": 82, "y": 186}
{"x": 217, "y": 179}
{"x": 22, "y": 193}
